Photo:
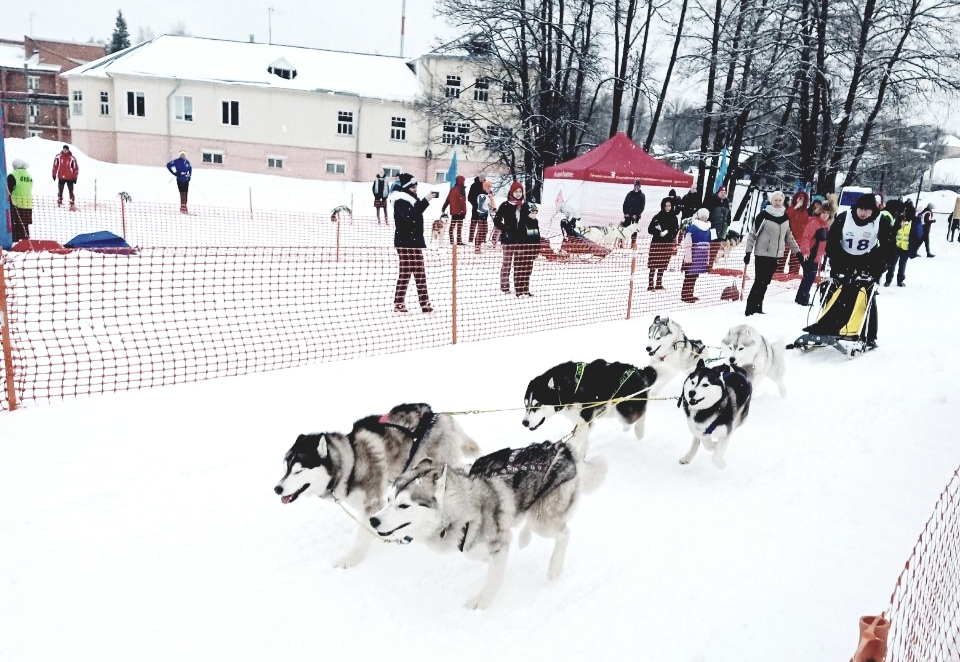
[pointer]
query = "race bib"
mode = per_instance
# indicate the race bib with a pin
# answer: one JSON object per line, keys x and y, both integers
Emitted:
{"x": 859, "y": 239}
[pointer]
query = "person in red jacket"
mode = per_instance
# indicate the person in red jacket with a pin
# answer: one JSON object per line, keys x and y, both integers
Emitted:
{"x": 65, "y": 171}
{"x": 457, "y": 201}
{"x": 798, "y": 214}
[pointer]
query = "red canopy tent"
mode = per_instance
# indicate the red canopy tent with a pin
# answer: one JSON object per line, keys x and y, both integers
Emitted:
{"x": 619, "y": 160}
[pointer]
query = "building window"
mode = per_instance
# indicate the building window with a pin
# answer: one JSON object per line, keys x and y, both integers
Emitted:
{"x": 344, "y": 123}
{"x": 509, "y": 93}
{"x": 497, "y": 138}
{"x": 336, "y": 168}
{"x": 213, "y": 157}
{"x": 391, "y": 172}
{"x": 136, "y": 104}
{"x": 33, "y": 83}
{"x": 33, "y": 113}
{"x": 456, "y": 133}
{"x": 439, "y": 176}
{"x": 104, "y": 103}
{"x": 230, "y": 112}
{"x": 275, "y": 162}
{"x": 76, "y": 108}
{"x": 183, "y": 108}
{"x": 34, "y": 133}
{"x": 481, "y": 90}
{"x": 452, "y": 91}
{"x": 398, "y": 128}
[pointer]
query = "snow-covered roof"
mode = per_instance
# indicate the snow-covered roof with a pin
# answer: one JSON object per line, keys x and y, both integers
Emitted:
{"x": 950, "y": 141}
{"x": 12, "y": 57}
{"x": 245, "y": 63}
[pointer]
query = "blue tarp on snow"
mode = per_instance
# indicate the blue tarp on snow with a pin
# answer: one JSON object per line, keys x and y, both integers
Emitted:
{"x": 103, "y": 241}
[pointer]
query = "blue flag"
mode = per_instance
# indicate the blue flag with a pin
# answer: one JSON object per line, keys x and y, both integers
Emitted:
{"x": 452, "y": 171}
{"x": 6, "y": 231}
{"x": 721, "y": 171}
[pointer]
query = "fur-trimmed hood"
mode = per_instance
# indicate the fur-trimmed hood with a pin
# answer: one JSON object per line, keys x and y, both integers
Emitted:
{"x": 701, "y": 224}
{"x": 400, "y": 194}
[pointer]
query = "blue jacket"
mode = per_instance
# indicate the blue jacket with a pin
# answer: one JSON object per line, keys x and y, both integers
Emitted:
{"x": 181, "y": 168}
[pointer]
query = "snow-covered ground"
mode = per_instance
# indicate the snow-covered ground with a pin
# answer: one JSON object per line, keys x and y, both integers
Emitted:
{"x": 143, "y": 525}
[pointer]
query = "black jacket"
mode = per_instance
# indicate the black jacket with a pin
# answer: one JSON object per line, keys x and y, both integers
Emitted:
{"x": 634, "y": 203}
{"x": 516, "y": 225}
{"x": 873, "y": 262}
{"x": 476, "y": 189}
{"x": 664, "y": 221}
{"x": 408, "y": 219}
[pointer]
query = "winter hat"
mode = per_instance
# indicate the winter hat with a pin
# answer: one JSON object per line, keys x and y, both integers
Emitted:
{"x": 65, "y": 147}
{"x": 460, "y": 180}
{"x": 867, "y": 201}
{"x": 533, "y": 208}
{"x": 636, "y": 182}
{"x": 722, "y": 189}
{"x": 514, "y": 187}
{"x": 930, "y": 206}
{"x": 702, "y": 214}
{"x": 407, "y": 181}
{"x": 19, "y": 164}
{"x": 673, "y": 192}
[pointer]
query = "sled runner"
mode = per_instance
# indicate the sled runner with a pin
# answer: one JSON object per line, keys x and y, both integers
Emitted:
{"x": 843, "y": 308}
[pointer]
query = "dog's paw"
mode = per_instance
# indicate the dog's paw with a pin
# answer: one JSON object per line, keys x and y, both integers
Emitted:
{"x": 478, "y": 602}
{"x": 719, "y": 462}
{"x": 554, "y": 569}
{"x": 685, "y": 459}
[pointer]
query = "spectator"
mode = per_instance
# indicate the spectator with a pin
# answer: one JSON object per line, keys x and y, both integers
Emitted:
{"x": 953, "y": 223}
{"x": 769, "y": 234}
{"x": 719, "y": 208}
{"x": 181, "y": 169}
{"x": 675, "y": 204}
{"x": 408, "y": 240}
{"x": 928, "y": 219}
{"x": 457, "y": 201}
{"x": 815, "y": 205}
{"x": 520, "y": 236}
{"x": 916, "y": 229}
{"x": 696, "y": 252}
{"x": 899, "y": 226}
{"x": 690, "y": 203}
{"x": 858, "y": 242}
{"x": 633, "y": 206}
{"x": 380, "y": 193}
{"x": 20, "y": 190}
{"x": 65, "y": 171}
{"x": 485, "y": 205}
{"x": 663, "y": 229}
{"x": 476, "y": 190}
{"x": 813, "y": 245}
{"x": 798, "y": 215}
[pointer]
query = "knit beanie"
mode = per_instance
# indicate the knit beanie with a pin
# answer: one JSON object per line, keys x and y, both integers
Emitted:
{"x": 407, "y": 181}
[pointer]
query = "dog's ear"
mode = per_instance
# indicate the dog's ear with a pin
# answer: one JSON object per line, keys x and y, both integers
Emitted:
{"x": 550, "y": 383}
{"x": 656, "y": 319}
{"x": 424, "y": 464}
{"x": 701, "y": 365}
{"x": 322, "y": 446}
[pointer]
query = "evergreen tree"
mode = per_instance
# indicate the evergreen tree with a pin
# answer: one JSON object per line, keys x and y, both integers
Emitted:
{"x": 121, "y": 36}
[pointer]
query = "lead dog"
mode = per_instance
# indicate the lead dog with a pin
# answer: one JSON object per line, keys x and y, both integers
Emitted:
{"x": 473, "y": 512}
{"x": 670, "y": 350}
{"x": 357, "y": 469}
{"x": 715, "y": 401}
{"x": 749, "y": 350}
{"x": 584, "y": 392}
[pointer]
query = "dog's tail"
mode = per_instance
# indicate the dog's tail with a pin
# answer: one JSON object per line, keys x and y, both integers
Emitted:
{"x": 592, "y": 473}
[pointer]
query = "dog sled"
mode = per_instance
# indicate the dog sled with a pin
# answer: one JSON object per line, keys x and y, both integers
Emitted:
{"x": 575, "y": 246}
{"x": 842, "y": 309}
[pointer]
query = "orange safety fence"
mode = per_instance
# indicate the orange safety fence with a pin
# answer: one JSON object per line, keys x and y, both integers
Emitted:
{"x": 174, "y": 310}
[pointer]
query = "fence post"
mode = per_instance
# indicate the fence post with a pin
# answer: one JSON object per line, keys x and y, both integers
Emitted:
{"x": 633, "y": 270}
{"x": 250, "y": 191}
{"x": 123, "y": 216}
{"x": 94, "y": 195}
{"x": 5, "y": 336}
{"x": 336, "y": 255}
{"x": 873, "y": 639}
{"x": 453, "y": 296}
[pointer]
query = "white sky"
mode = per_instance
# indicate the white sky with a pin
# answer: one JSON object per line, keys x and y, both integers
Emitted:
{"x": 368, "y": 26}
{"x": 143, "y": 526}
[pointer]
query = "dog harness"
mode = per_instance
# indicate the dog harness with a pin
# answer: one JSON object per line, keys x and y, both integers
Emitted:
{"x": 539, "y": 460}
{"x": 417, "y": 435}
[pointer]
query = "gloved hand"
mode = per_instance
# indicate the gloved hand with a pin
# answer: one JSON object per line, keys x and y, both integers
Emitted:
{"x": 663, "y": 233}
{"x": 746, "y": 258}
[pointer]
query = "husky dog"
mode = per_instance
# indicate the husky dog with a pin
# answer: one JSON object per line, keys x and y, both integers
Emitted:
{"x": 731, "y": 241}
{"x": 358, "y": 468}
{"x": 716, "y": 401}
{"x": 609, "y": 236}
{"x": 749, "y": 350}
{"x": 341, "y": 213}
{"x": 584, "y": 392}
{"x": 437, "y": 232}
{"x": 473, "y": 512}
{"x": 670, "y": 350}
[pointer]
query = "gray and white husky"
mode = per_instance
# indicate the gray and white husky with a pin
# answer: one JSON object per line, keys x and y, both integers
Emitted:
{"x": 670, "y": 350}
{"x": 715, "y": 401}
{"x": 357, "y": 469}
{"x": 748, "y": 349}
{"x": 473, "y": 512}
{"x": 584, "y": 392}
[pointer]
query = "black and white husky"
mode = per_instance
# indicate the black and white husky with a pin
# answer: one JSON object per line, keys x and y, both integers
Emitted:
{"x": 748, "y": 349}
{"x": 670, "y": 350}
{"x": 716, "y": 401}
{"x": 357, "y": 469}
{"x": 473, "y": 512}
{"x": 584, "y": 392}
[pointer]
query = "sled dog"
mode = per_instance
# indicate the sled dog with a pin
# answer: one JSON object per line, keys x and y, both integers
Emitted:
{"x": 341, "y": 213}
{"x": 474, "y": 511}
{"x": 358, "y": 468}
{"x": 437, "y": 231}
{"x": 670, "y": 350}
{"x": 584, "y": 392}
{"x": 715, "y": 401}
{"x": 749, "y": 350}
